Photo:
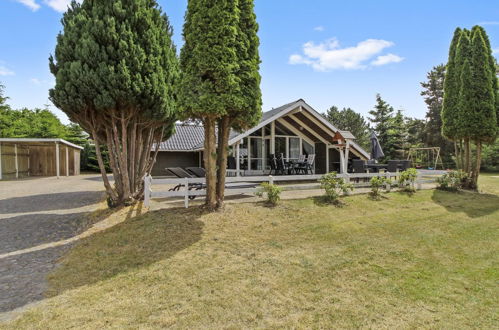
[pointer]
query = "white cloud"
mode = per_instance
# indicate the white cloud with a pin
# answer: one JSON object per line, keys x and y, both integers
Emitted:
{"x": 4, "y": 71}
{"x": 385, "y": 59}
{"x": 319, "y": 28}
{"x": 31, "y": 4}
{"x": 58, "y": 5}
{"x": 495, "y": 50}
{"x": 35, "y": 81}
{"x": 328, "y": 55}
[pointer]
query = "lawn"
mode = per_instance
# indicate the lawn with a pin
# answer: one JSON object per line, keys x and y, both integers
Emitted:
{"x": 428, "y": 260}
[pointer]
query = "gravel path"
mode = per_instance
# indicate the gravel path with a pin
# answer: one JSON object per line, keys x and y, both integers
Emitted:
{"x": 33, "y": 212}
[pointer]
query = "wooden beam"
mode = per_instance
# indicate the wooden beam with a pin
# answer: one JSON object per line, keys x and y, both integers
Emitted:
{"x": 238, "y": 158}
{"x": 296, "y": 131}
{"x": 326, "y": 134}
{"x": 272, "y": 138}
{"x": 304, "y": 132}
{"x": 67, "y": 161}
{"x": 16, "y": 161}
{"x": 57, "y": 159}
{"x": 311, "y": 130}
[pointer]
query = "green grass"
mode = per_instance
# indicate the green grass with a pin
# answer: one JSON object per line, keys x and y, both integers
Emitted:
{"x": 423, "y": 261}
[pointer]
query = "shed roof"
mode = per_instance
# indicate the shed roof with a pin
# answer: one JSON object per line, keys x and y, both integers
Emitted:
{"x": 39, "y": 141}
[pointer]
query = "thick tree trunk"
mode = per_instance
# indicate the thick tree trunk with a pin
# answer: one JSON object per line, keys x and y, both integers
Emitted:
{"x": 478, "y": 164}
{"x": 467, "y": 155}
{"x": 458, "y": 156}
{"x": 210, "y": 162}
{"x": 223, "y": 141}
{"x": 109, "y": 190}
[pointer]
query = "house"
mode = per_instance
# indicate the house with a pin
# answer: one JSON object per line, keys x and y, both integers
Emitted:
{"x": 22, "y": 157}
{"x": 292, "y": 130}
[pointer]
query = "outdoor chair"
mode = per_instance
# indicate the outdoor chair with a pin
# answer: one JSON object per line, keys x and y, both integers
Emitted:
{"x": 273, "y": 164}
{"x": 307, "y": 165}
{"x": 282, "y": 168}
{"x": 231, "y": 163}
{"x": 198, "y": 172}
{"x": 393, "y": 166}
{"x": 182, "y": 174}
{"x": 359, "y": 166}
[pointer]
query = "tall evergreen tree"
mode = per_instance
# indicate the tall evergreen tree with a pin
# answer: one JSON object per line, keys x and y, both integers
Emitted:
{"x": 220, "y": 83}
{"x": 382, "y": 118}
{"x": 433, "y": 93}
{"x": 450, "y": 102}
{"x": 115, "y": 67}
{"x": 249, "y": 111}
{"x": 348, "y": 120}
{"x": 479, "y": 112}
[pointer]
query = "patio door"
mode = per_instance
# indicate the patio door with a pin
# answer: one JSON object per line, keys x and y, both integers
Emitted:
{"x": 256, "y": 154}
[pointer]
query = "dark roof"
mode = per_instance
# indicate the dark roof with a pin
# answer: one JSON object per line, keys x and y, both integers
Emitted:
{"x": 187, "y": 137}
{"x": 273, "y": 112}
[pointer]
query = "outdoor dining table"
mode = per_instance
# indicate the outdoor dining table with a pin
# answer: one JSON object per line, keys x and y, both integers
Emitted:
{"x": 377, "y": 167}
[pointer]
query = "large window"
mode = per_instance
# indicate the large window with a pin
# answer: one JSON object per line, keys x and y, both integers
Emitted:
{"x": 294, "y": 148}
{"x": 280, "y": 146}
{"x": 256, "y": 153}
{"x": 307, "y": 148}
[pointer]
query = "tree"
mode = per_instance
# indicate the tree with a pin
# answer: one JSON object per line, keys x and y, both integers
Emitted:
{"x": 349, "y": 120}
{"x": 249, "y": 109}
{"x": 451, "y": 99}
{"x": 433, "y": 93}
{"x": 479, "y": 89}
{"x": 382, "y": 118}
{"x": 220, "y": 80}
{"x": 115, "y": 67}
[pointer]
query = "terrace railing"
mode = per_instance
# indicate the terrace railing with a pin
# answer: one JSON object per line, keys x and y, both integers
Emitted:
{"x": 192, "y": 187}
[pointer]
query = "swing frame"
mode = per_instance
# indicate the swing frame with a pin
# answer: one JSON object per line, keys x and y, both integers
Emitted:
{"x": 435, "y": 156}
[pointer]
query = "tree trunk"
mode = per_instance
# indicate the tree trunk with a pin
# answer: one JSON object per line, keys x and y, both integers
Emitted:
{"x": 210, "y": 162}
{"x": 461, "y": 153}
{"x": 109, "y": 190}
{"x": 456, "y": 152}
{"x": 223, "y": 141}
{"x": 478, "y": 164}
{"x": 467, "y": 156}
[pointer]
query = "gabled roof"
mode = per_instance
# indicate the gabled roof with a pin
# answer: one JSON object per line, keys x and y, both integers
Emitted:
{"x": 191, "y": 137}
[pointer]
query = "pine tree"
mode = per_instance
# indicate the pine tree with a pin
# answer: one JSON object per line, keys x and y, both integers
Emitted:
{"x": 115, "y": 67}
{"x": 347, "y": 119}
{"x": 451, "y": 90}
{"x": 220, "y": 80}
{"x": 249, "y": 111}
{"x": 382, "y": 118}
{"x": 433, "y": 93}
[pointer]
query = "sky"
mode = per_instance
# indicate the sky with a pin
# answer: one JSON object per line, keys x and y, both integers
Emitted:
{"x": 327, "y": 52}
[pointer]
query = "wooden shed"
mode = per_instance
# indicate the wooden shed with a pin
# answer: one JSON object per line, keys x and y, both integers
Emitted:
{"x": 20, "y": 157}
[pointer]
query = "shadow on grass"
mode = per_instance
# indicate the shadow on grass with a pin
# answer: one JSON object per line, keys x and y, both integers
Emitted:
{"x": 325, "y": 201}
{"x": 135, "y": 243}
{"x": 473, "y": 204}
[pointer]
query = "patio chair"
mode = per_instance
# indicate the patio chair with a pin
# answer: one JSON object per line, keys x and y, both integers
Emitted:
{"x": 393, "y": 166}
{"x": 307, "y": 165}
{"x": 359, "y": 166}
{"x": 282, "y": 168}
{"x": 231, "y": 163}
{"x": 273, "y": 164}
{"x": 198, "y": 172}
{"x": 182, "y": 174}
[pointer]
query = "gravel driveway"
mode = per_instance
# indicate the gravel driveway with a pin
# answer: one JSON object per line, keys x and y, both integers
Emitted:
{"x": 38, "y": 211}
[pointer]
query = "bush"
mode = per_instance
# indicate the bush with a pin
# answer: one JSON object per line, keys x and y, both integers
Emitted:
{"x": 272, "y": 191}
{"x": 453, "y": 181}
{"x": 407, "y": 179}
{"x": 376, "y": 183}
{"x": 334, "y": 186}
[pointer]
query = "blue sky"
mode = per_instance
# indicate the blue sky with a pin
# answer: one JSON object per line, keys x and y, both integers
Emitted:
{"x": 326, "y": 52}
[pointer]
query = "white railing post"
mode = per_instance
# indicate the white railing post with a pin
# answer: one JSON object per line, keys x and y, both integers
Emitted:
{"x": 147, "y": 190}
{"x": 388, "y": 184}
{"x": 186, "y": 192}
{"x": 419, "y": 182}
{"x": 347, "y": 180}
{"x": 271, "y": 180}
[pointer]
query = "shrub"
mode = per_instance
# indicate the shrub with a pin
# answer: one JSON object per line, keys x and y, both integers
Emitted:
{"x": 376, "y": 183}
{"x": 334, "y": 186}
{"x": 453, "y": 181}
{"x": 407, "y": 179}
{"x": 272, "y": 191}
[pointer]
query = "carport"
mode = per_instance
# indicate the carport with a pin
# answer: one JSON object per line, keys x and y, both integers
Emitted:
{"x": 22, "y": 157}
